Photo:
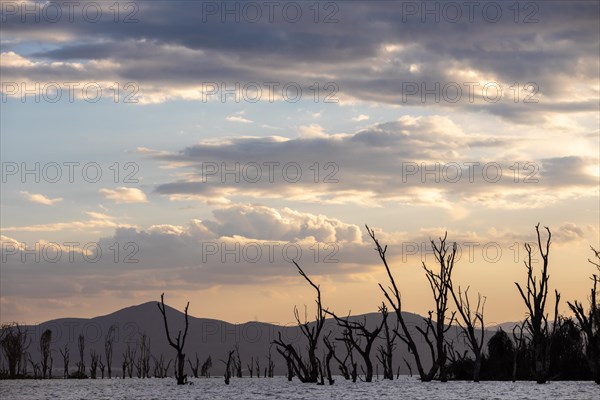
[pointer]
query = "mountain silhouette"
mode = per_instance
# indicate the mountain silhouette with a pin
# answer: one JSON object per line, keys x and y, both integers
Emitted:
{"x": 206, "y": 337}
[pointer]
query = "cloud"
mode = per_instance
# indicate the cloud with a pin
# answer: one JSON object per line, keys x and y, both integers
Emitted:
{"x": 242, "y": 244}
{"x": 423, "y": 160}
{"x": 124, "y": 195}
{"x": 394, "y": 58}
{"x": 238, "y": 118}
{"x": 201, "y": 253}
{"x": 95, "y": 222}
{"x": 361, "y": 117}
{"x": 41, "y": 199}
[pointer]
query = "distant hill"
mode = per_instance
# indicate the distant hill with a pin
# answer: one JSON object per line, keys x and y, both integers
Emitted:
{"x": 205, "y": 337}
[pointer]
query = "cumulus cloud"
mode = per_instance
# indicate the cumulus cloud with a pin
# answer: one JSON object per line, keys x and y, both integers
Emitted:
{"x": 242, "y": 244}
{"x": 41, "y": 199}
{"x": 124, "y": 195}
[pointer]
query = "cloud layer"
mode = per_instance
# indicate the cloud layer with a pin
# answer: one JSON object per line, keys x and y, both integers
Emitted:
{"x": 414, "y": 160}
{"x": 543, "y": 59}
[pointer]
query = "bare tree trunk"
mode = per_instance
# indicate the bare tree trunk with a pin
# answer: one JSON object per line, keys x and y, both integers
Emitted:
{"x": 45, "y": 340}
{"x": 394, "y": 298}
{"x": 440, "y": 284}
{"x": 518, "y": 338}
{"x": 195, "y": 366}
{"x": 93, "y": 364}
{"x": 108, "y": 348}
{"x": 328, "y": 358}
{"x": 206, "y": 366}
{"x": 102, "y": 366}
{"x": 179, "y": 341}
{"x": 81, "y": 364}
{"x": 535, "y": 296}
{"x": 306, "y": 370}
{"x": 65, "y": 356}
{"x": 470, "y": 320}
{"x": 228, "y": 366}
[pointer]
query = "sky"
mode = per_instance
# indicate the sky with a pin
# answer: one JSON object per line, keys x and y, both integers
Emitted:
{"x": 196, "y": 148}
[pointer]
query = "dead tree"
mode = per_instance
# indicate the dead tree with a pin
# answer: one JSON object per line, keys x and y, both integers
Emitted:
{"x": 195, "y": 367}
{"x": 589, "y": 322}
{"x": 206, "y": 366}
{"x": 93, "y": 363}
{"x": 142, "y": 364}
{"x": 519, "y": 346}
{"x": 45, "y": 340}
{"x": 440, "y": 284}
{"x": 251, "y": 367}
{"x": 353, "y": 364}
{"x": 179, "y": 342}
{"x": 50, "y": 366}
{"x": 328, "y": 357}
{"x": 393, "y": 296}
{"x": 35, "y": 367}
{"x": 307, "y": 371}
{"x": 228, "y": 366}
{"x": 407, "y": 366}
{"x": 349, "y": 336}
{"x": 341, "y": 363}
{"x": 257, "y": 367}
{"x": 285, "y": 353}
{"x": 81, "y": 364}
{"x": 385, "y": 352}
{"x": 471, "y": 321}
{"x": 321, "y": 380}
{"x": 108, "y": 348}
{"x": 14, "y": 345}
{"x": 237, "y": 363}
{"x": 124, "y": 364}
{"x": 534, "y": 296}
{"x": 129, "y": 360}
{"x": 102, "y": 366}
{"x": 160, "y": 370}
{"x": 270, "y": 365}
{"x": 65, "y": 356}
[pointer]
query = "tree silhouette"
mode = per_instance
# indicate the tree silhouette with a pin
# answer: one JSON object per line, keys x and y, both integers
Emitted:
{"x": 500, "y": 356}
{"x": 179, "y": 342}
{"x": 194, "y": 366}
{"x": 228, "y": 366}
{"x": 206, "y": 366}
{"x": 519, "y": 346}
{"x": 354, "y": 332}
{"x": 341, "y": 363}
{"x": 535, "y": 296}
{"x": 393, "y": 296}
{"x": 471, "y": 318}
{"x": 385, "y": 352}
{"x": 45, "y": 340}
{"x": 65, "y": 356}
{"x": 81, "y": 364}
{"x": 440, "y": 284}
{"x": 93, "y": 363}
{"x": 307, "y": 371}
{"x": 108, "y": 348}
{"x": 14, "y": 344}
{"x": 589, "y": 322}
